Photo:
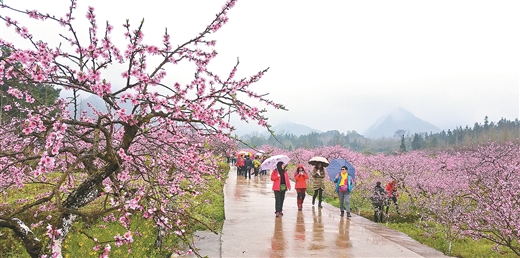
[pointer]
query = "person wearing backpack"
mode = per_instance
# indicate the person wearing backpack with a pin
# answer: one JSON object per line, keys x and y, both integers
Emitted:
{"x": 344, "y": 185}
{"x": 378, "y": 201}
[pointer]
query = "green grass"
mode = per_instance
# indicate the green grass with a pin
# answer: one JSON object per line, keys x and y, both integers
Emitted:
{"x": 208, "y": 208}
{"x": 429, "y": 235}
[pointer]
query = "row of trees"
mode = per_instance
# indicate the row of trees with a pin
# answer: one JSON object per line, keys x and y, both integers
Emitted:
{"x": 502, "y": 131}
{"x": 313, "y": 140}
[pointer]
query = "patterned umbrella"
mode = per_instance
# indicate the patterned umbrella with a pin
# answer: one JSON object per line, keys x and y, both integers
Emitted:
{"x": 270, "y": 163}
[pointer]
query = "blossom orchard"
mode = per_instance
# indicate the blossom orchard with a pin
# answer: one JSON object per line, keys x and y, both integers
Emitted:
{"x": 137, "y": 161}
{"x": 470, "y": 191}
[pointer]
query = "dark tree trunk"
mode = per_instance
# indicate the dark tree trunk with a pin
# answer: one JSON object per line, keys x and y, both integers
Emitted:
{"x": 31, "y": 242}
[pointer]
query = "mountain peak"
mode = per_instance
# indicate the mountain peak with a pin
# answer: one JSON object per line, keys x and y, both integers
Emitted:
{"x": 400, "y": 114}
{"x": 287, "y": 127}
{"x": 399, "y": 119}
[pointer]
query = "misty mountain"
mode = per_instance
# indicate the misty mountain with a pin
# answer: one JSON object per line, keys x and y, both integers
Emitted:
{"x": 399, "y": 119}
{"x": 97, "y": 102}
{"x": 291, "y": 128}
{"x": 279, "y": 129}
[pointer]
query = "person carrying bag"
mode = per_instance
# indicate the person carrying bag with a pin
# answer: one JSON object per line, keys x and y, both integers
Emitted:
{"x": 344, "y": 186}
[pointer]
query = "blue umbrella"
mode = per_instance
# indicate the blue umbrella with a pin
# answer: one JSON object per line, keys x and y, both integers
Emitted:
{"x": 335, "y": 167}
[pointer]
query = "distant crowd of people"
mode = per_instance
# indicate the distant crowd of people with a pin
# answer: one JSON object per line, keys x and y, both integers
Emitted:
{"x": 247, "y": 165}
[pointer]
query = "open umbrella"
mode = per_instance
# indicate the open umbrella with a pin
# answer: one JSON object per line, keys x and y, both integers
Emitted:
{"x": 271, "y": 162}
{"x": 245, "y": 153}
{"x": 335, "y": 167}
{"x": 317, "y": 159}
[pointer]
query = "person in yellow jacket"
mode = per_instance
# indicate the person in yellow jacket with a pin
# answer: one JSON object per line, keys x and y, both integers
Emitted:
{"x": 256, "y": 165}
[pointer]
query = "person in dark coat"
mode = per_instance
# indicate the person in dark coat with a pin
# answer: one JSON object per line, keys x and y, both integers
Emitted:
{"x": 378, "y": 200}
{"x": 248, "y": 164}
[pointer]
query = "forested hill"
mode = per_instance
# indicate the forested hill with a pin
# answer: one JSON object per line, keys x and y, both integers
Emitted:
{"x": 503, "y": 130}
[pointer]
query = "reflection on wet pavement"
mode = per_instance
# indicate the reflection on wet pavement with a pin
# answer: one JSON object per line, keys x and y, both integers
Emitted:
{"x": 299, "y": 231}
{"x": 317, "y": 230}
{"x": 343, "y": 239}
{"x": 277, "y": 241}
{"x": 252, "y": 230}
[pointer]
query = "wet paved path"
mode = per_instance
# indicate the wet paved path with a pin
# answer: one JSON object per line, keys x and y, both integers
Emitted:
{"x": 252, "y": 230}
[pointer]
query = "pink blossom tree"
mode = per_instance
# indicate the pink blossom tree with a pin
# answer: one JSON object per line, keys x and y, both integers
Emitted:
{"x": 154, "y": 141}
{"x": 493, "y": 179}
{"x": 438, "y": 190}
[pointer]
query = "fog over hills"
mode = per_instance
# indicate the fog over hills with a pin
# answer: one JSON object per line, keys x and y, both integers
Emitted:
{"x": 399, "y": 119}
{"x": 291, "y": 128}
{"x": 97, "y": 102}
{"x": 385, "y": 126}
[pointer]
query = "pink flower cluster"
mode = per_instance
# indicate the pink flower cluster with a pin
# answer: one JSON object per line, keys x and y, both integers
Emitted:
{"x": 125, "y": 239}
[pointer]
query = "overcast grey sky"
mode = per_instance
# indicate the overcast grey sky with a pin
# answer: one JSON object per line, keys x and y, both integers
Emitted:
{"x": 340, "y": 65}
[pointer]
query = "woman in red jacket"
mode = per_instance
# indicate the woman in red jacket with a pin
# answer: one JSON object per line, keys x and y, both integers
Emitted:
{"x": 300, "y": 176}
{"x": 281, "y": 183}
{"x": 240, "y": 165}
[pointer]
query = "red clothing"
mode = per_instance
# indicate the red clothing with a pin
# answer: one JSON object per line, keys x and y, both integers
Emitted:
{"x": 391, "y": 188}
{"x": 301, "y": 179}
{"x": 275, "y": 177}
{"x": 240, "y": 161}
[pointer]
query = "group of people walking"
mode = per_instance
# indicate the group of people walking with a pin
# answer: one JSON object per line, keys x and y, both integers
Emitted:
{"x": 281, "y": 183}
{"x": 245, "y": 164}
{"x": 344, "y": 183}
